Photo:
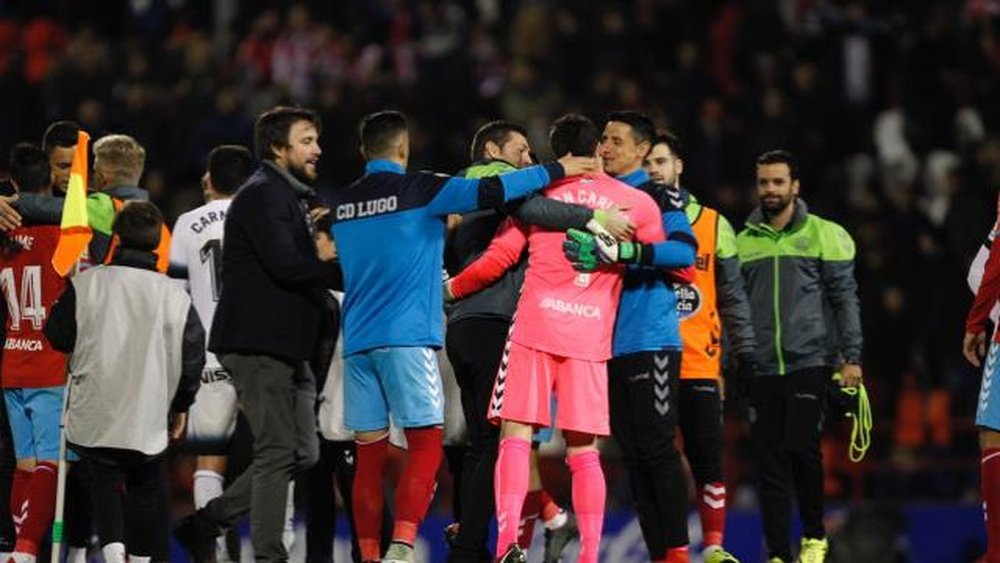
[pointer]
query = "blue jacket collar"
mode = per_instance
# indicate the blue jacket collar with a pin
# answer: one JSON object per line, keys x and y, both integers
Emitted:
{"x": 382, "y": 165}
{"x": 637, "y": 178}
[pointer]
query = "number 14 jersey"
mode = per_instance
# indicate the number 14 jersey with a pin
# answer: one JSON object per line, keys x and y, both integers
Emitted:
{"x": 30, "y": 286}
{"x": 196, "y": 257}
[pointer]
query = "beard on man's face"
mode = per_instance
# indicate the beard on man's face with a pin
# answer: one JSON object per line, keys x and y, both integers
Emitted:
{"x": 301, "y": 173}
{"x": 776, "y": 203}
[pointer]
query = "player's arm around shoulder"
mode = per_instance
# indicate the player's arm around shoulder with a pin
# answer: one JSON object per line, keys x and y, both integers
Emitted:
{"x": 461, "y": 195}
{"x": 648, "y": 221}
{"x": 503, "y": 252}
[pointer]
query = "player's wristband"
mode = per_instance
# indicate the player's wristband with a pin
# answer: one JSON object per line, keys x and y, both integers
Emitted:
{"x": 635, "y": 253}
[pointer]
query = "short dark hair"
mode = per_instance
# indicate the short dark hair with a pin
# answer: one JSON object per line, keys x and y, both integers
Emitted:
{"x": 573, "y": 134}
{"x": 781, "y": 157}
{"x": 378, "y": 131}
{"x": 61, "y": 134}
{"x": 642, "y": 127}
{"x": 29, "y": 168}
{"x": 138, "y": 225}
{"x": 229, "y": 166}
{"x": 495, "y": 131}
{"x": 667, "y": 137}
{"x": 272, "y": 127}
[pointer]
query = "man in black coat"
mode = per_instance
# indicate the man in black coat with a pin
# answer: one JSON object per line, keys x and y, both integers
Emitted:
{"x": 275, "y": 268}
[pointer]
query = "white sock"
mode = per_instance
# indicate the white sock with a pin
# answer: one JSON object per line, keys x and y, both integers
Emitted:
{"x": 21, "y": 557}
{"x": 557, "y": 521}
{"x": 114, "y": 552}
{"x": 139, "y": 559}
{"x": 76, "y": 555}
{"x": 221, "y": 551}
{"x": 207, "y": 486}
{"x": 288, "y": 536}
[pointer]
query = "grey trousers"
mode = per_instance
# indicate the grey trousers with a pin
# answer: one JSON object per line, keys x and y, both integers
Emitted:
{"x": 278, "y": 400}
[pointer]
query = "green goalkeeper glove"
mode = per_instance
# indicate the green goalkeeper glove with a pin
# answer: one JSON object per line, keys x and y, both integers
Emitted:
{"x": 587, "y": 251}
{"x": 610, "y": 250}
{"x": 623, "y": 252}
{"x": 581, "y": 250}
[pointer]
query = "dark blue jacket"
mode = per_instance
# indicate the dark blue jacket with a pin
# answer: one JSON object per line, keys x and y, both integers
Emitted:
{"x": 272, "y": 282}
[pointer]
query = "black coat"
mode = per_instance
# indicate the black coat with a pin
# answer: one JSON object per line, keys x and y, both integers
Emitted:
{"x": 272, "y": 281}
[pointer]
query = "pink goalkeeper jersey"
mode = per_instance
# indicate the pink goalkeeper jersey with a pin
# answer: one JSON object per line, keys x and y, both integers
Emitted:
{"x": 562, "y": 311}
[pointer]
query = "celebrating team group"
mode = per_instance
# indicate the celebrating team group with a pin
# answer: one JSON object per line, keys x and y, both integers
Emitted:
{"x": 593, "y": 294}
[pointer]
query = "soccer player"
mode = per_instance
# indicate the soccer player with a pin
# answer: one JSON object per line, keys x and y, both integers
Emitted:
{"x": 338, "y": 453}
{"x": 985, "y": 276}
{"x": 716, "y": 294}
{"x": 59, "y": 143}
{"x": 643, "y": 375}
{"x": 34, "y": 373}
{"x": 477, "y": 332}
{"x": 389, "y": 227}
{"x": 196, "y": 257}
{"x": 138, "y": 349}
{"x": 794, "y": 263}
{"x": 119, "y": 162}
{"x": 559, "y": 343}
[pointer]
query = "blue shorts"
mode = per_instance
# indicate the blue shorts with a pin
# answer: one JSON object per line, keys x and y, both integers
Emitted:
{"x": 34, "y": 415}
{"x": 403, "y": 381}
{"x": 988, "y": 409}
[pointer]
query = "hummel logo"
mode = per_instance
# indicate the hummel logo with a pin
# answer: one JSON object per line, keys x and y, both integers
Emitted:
{"x": 661, "y": 360}
{"x": 662, "y": 392}
{"x": 662, "y": 407}
{"x": 662, "y": 377}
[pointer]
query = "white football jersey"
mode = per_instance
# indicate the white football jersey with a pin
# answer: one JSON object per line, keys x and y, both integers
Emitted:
{"x": 196, "y": 248}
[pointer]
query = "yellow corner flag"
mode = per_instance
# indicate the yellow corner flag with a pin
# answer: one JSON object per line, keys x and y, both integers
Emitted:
{"x": 75, "y": 229}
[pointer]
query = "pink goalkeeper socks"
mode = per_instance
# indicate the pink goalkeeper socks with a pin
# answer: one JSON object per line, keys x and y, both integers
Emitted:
{"x": 589, "y": 494}
{"x": 510, "y": 481}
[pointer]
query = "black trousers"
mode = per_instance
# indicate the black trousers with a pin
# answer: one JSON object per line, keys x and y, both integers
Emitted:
{"x": 474, "y": 347}
{"x": 701, "y": 425}
{"x": 128, "y": 490}
{"x": 336, "y": 468}
{"x": 79, "y": 510}
{"x": 786, "y": 422}
{"x": 642, "y": 392}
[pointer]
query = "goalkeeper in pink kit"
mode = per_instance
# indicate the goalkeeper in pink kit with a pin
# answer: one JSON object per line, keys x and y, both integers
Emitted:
{"x": 560, "y": 342}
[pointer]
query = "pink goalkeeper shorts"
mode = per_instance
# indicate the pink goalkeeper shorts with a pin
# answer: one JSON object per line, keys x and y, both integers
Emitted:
{"x": 527, "y": 380}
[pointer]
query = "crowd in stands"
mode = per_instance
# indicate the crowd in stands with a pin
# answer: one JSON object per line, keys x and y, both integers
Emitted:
{"x": 888, "y": 105}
